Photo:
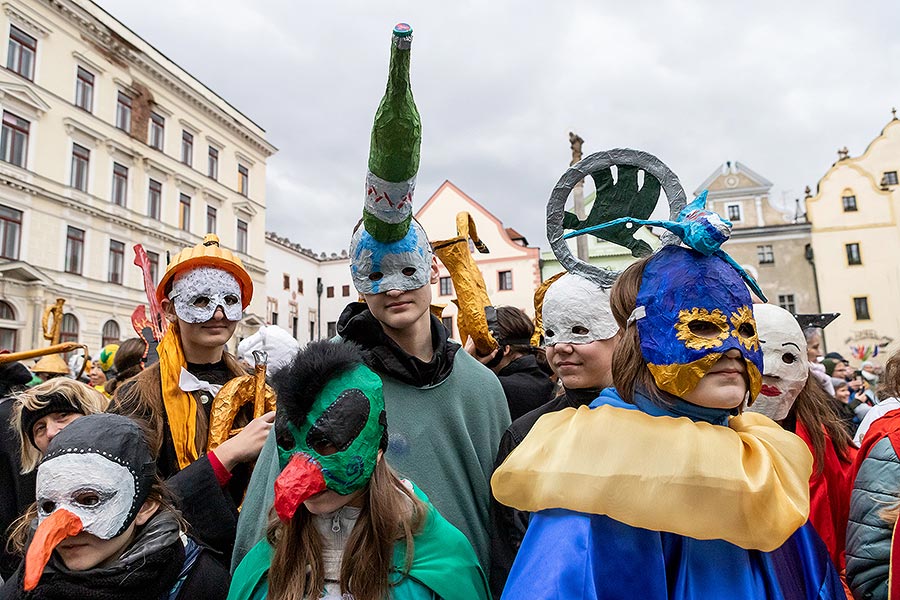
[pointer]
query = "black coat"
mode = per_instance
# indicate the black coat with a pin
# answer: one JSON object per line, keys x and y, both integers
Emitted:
{"x": 16, "y": 490}
{"x": 526, "y": 386}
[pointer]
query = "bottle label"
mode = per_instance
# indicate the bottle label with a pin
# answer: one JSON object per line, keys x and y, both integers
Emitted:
{"x": 389, "y": 201}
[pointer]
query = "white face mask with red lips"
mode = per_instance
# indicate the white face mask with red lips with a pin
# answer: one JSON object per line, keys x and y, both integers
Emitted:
{"x": 786, "y": 367}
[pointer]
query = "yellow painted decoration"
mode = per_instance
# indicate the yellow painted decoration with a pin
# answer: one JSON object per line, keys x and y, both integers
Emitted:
{"x": 698, "y": 342}
{"x": 679, "y": 379}
{"x": 181, "y": 408}
{"x": 539, "y": 308}
{"x": 233, "y": 395}
{"x": 471, "y": 293}
{"x": 747, "y": 483}
{"x": 743, "y": 316}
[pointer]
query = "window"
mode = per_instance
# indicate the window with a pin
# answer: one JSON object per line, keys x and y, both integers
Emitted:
{"x": 271, "y": 310}
{"x": 274, "y": 318}
{"x": 332, "y": 329}
{"x": 21, "y": 52}
{"x": 116, "y": 261}
{"x": 84, "y": 89}
{"x": 211, "y": 216}
{"x": 849, "y": 203}
{"x": 154, "y": 199}
{"x": 110, "y": 333}
{"x": 786, "y": 301}
{"x": 861, "y": 305}
{"x": 74, "y": 250}
{"x": 853, "y": 257}
{"x": 184, "y": 213}
{"x": 299, "y": 286}
{"x": 345, "y": 291}
{"x": 187, "y": 148}
{"x": 448, "y": 324}
{"x": 68, "y": 330}
{"x": 10, "y": 232}
{"x": 153, "y": 259}
{"x": 120, "y": 184}
{"x": 242, "y": 236}
{"x": 734, "y": 213}
{"x": 8, "y": 335}
{"x": 243, "y": 180}
{"x": 295, "y": 326}
{"x": 123, "y": 112}
{"x": 329, "y": 291}
{"x": 14, "y": 139}
{"x": 157, "y": 131}
{"x": 286, "y": 281}
{"x": 505, "y": 280}
{"x": 312, "y": 330}
{"x": 212, "y": 164}
{"x": 890, "y": 178}
{"x": 81, "y": 160}
{"x": 446, "y": 286}
{"x": 765, "y": 255}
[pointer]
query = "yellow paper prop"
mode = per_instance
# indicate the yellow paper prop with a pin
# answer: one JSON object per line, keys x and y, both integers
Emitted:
{"x": 235, "y": 394}
{"x": 471, "y": 293}
{"x": 747, "y": 483}
{"x": 539, "y": 307}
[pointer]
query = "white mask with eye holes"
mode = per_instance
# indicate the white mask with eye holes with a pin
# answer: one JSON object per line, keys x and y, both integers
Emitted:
{"x": 786, "y": 367}
{"x": 576, "y": 311}
{"x": 199, "y": 292}
{"x": 103, "y": 501}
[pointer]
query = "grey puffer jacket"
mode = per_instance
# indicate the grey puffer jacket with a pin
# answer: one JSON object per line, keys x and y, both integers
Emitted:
{"x": 876, "y": 488}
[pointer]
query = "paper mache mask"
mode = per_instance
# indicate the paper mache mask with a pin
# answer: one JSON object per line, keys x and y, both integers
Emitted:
{"x": 785, "y": 364}
{"x": 576, "y": 311}
{"x": 378, "y": 267}
{"x": 96, "y": 475}
{"x": 199, "y": 292}
{"x": 691, "y": 310}
{"x": 330, "y": 428}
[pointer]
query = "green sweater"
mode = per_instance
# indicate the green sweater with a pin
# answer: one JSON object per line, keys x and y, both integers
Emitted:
{"x": 443, "y": 437}
{"x": 443, "y": 566}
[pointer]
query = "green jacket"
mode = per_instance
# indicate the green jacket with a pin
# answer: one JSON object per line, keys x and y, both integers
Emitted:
{"x": 444, "y": 566}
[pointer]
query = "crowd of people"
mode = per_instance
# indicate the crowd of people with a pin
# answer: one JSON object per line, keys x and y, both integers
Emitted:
{"x": 661, "y": 433}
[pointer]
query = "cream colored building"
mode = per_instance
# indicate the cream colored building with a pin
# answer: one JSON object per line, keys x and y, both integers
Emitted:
{"x": 107, "y": 143}
{"x": 856, "y": 241}
{"x": 768, "y": 240}
{"x": 511, "y": 270}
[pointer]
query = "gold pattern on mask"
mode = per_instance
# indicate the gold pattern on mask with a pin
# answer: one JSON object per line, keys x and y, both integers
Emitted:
{"x": 744, "y": 328}
{"x": 693, "y": 324}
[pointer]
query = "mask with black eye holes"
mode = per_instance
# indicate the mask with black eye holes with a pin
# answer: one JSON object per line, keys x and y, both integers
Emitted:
{"x": 691, "y": 310}
{"x": 199, "y": 292}
{"x": 378, "y": 267}
{"x": 576, "y": 311}
{"x": 786, "y": 367}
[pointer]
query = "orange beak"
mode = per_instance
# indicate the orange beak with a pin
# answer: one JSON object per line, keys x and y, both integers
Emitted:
{"x": 300, "y": 480}
{"x": 52, "y": 530}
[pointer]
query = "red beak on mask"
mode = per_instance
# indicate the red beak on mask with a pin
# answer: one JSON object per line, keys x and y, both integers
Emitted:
{"x": 300, "y": 480}
{"x": 60, "y": 525}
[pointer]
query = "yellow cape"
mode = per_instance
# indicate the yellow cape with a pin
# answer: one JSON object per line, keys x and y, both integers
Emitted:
{"x": 747, "y": 483}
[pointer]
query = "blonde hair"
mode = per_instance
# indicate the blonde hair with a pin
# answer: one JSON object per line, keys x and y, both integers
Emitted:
{"x": 82, "y": 397}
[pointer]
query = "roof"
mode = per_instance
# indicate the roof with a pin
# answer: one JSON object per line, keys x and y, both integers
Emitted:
{"x": 735, "y": 167}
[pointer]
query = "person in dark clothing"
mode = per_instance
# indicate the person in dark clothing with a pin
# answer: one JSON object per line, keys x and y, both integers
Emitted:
{"x": 102, "y": 527}
{"x": 580, "y": 336}
{"x": 521, "y": 368}
{"x": 202, "y": 294}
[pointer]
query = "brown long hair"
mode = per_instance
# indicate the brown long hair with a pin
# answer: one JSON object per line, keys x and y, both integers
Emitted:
{"x": 390, "y": 512}
{"x": 813, "y": 408}
{"x": 889, "y": 385}
{"x": 629, "y": 369}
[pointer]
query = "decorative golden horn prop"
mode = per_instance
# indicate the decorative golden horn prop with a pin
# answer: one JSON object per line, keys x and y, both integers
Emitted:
{"x": 471, "y": 293}
{"x": 55, "y": 349}
{"x": 234, "y": 395}
{"x": 52, "y": 332}
{"x": 539, "y": 308}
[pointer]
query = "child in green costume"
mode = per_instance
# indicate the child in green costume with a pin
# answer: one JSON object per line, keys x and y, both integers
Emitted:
{"x": 343, "y": 525}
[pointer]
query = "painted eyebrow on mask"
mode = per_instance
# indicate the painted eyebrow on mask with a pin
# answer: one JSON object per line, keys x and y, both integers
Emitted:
{"x": 790, "y": 344}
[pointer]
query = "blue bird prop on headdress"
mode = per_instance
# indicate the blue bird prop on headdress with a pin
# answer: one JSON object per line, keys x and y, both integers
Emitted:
{"x": 697, "y": 227}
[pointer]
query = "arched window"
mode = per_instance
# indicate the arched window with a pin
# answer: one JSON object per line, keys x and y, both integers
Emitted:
{"x": 8, "y": 335}
{"x": 68, "y": 331}
{"x": 110, "y": 333}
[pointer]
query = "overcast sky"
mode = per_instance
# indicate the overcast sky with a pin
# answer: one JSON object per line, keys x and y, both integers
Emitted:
{"x": 778, "y": 85}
